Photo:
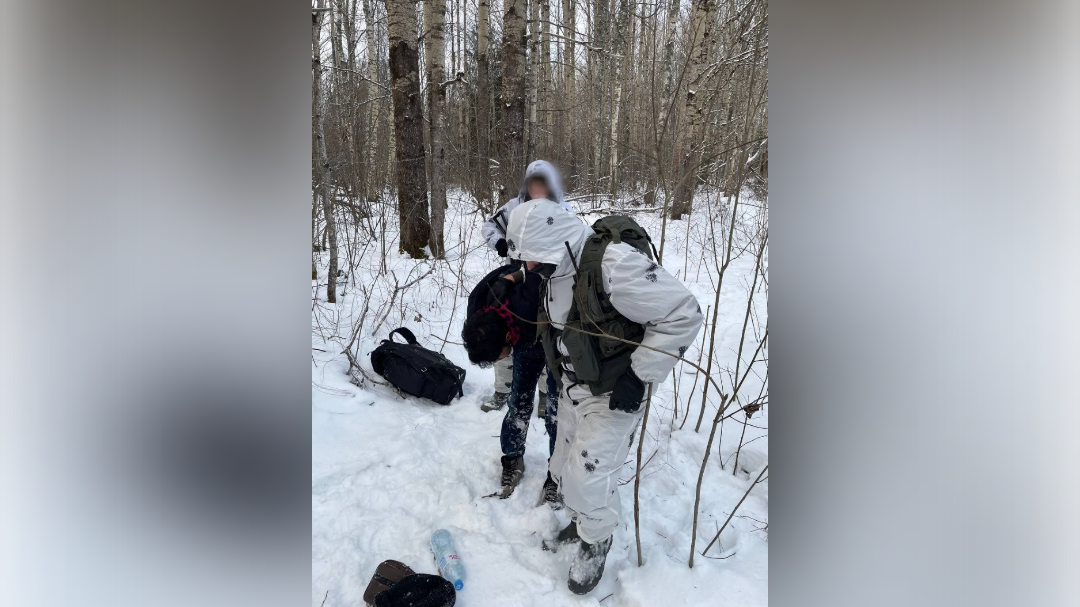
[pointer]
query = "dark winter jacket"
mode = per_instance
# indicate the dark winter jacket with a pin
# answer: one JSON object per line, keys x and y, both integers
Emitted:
{"x": 523, "y": 299}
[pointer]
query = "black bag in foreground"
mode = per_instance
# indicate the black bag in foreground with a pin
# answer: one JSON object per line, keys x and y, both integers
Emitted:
{"x": 418, "y": 590}
{"x": 415, "y": 370}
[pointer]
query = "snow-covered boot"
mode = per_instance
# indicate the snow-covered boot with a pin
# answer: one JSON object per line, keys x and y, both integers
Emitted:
{"x": 551, "y": 495}
{"x": 588, "y": 566}
{"x": 513, "y": 470}
{"x": 568, "y": 535}
{"x": 496, "y": 402}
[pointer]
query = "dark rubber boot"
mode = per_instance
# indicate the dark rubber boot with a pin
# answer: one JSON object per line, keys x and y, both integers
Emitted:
{"x": 588, "y": 566}
{"x": 497, "y": 402}
{"x": 513, "y": 470}
{"x": 568, "y": 535}
{"x": 551, "y": 495}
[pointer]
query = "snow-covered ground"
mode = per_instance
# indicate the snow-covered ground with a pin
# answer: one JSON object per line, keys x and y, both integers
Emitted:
{"x": 387, "y": 471}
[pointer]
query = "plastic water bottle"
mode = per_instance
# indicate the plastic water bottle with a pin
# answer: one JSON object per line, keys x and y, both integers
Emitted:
{"x": 446, "y": 556}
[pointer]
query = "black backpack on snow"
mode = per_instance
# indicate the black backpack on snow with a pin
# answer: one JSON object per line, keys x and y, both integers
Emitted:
{"x": 415, "y": 370}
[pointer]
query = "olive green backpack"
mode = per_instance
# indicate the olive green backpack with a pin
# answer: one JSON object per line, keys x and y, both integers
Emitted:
{"x": 597, "y": 361}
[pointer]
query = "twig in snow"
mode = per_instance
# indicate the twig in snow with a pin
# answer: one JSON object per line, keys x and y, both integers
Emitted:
{"x": 748, "y": 490}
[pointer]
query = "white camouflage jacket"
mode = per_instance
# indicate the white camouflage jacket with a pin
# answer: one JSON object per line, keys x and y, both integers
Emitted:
{"x": 640, "y": 290}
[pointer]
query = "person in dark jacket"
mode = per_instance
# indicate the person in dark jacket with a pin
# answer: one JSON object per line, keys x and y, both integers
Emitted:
{"x": 499, "y": 324}
{"x": 542, "y": 181}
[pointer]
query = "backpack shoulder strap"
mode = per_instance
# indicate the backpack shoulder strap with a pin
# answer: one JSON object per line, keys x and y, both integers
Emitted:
{"x": 405, "y": 333}
{"x": 589, "y": 295}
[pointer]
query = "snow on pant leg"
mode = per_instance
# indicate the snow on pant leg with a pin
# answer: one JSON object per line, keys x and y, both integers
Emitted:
{"x": 550, "y": 399}
{"x": 528, "y": 362}
{"x": 590, "y": 473}
{"x": 504, "y": 374}
{"x": 564, "y": 435}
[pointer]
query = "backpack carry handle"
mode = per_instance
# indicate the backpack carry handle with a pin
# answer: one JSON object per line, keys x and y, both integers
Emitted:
{"x": 405, "y": 333}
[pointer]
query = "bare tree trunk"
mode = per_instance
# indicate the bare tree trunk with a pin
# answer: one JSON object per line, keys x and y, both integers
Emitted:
{"x": 408, "y": 129}
{"x": 483, "y": 105}
{"x": 669, "y": 89}
{"x": 513, "y": 98}
{"x": 449, "y": 27}
{"x": 355, "y": 124}
{"x": 435, "y": 44}
{"x": 314, "y": 230}
{"x": 669, "y": 47}
{"x": 373, "y": 108}
{"x": 461, "y": 92}
{"x": 425, "y": 85}
{"x": 325, "y": 174}
{"x": 622, "y": 23}
{"x": 569, "y": 57}
{"x": 545, "y": 78}
{"x": 534, "y": 74}
{"x": 598, "y": 85}
{"x": 690, "y": 150}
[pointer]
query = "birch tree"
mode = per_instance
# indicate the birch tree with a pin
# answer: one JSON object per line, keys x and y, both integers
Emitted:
{"x": 533, "y": 79}
{"x": 324, "y": 174}
{"x": 643, "y": 99}
{"x": 603, "y": 82}
{"x": 435, "y": 48}
{"x": 374, "y": 105}
{"x": 622, "y": 42}
{"x": 570, "y": 80}
{"x": 483, "y": 104}
{"x": 544, "y": 90}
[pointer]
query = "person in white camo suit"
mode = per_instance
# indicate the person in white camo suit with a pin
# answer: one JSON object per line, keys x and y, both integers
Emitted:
{"x": 596, "y": 430}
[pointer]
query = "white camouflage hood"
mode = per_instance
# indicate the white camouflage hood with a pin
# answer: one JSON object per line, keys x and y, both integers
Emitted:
{"x": 542, "y": 231}
{"x": 546, "y": 171}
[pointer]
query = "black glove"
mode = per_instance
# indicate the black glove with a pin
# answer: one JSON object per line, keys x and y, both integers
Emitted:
{"x": 628, "y": 392}
{"x": 501, "y": 247}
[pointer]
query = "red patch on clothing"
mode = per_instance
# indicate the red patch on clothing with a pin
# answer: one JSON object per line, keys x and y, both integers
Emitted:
{"x": 511, "y": 324}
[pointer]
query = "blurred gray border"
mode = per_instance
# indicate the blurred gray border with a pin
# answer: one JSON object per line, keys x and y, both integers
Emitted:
{"x": 925, "y": 294}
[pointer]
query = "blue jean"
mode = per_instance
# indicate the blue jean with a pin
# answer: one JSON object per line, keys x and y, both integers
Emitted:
{"x": 528, "y": 364}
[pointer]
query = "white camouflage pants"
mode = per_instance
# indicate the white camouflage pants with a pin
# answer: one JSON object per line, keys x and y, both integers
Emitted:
{"x": 504, "y": 377}
{"x": 504, "y": 374}
{"x": 592, "y": 445}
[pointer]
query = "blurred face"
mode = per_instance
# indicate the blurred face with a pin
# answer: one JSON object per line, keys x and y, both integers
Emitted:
{"x": 506, "y": 351}
{"x": 537, "y": 189}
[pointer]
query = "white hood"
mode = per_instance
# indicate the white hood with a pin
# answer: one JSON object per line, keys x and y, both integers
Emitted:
{"x": 550, "y": 175}
{"x": 494, "y": 229}
{"x": 541, "y": 232}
